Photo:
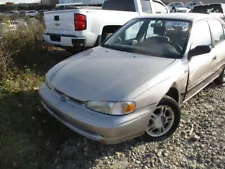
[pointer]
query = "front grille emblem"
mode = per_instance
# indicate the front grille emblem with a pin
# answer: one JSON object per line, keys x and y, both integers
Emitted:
{"x": 57, "y": 24}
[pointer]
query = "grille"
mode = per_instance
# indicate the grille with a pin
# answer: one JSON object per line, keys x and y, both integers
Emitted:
{"x": 72, "y": 99}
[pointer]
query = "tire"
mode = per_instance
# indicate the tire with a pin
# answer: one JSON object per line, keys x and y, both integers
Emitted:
{"x": 169, "y": 108}
{"x": 221, "y": 79}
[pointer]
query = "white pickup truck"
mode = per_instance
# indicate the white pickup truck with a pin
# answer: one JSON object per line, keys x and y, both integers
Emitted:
{"x": 87, "y": 26}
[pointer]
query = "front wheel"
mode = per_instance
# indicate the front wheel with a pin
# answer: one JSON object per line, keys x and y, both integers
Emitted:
{"x": 221, "y": 79}
{"x": 164, "y": 120}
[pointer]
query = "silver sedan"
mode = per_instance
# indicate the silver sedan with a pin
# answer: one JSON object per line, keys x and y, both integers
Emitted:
{"x": 134, "y": 83}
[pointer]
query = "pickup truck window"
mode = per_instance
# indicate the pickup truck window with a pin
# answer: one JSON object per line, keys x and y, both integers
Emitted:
{"x": 159, "y": 8}
{"x": 146, "y": 6}
{"x": 203, "y": 38}
{"x": 119, "y": 5}
{"x": 217, "y": 31}
{"x": 213, "y": 8}
{"x": 152, "y": 37}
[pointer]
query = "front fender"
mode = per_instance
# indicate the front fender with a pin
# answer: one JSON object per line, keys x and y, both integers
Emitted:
{"x": 154, "y": 94}
{"x": 176, "y": 77}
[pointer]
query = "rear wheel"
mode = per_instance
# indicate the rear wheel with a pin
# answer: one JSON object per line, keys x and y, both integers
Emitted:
{"x": 164, "y": 120}
{"x": 221, "y": 79}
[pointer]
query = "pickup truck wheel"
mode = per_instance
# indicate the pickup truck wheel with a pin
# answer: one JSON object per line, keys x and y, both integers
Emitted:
{"x": 164, "y": 120}
{"x": 221, "y": 79}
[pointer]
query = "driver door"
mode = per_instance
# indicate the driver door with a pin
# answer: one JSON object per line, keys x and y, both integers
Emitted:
{"x": 200, "y": 66}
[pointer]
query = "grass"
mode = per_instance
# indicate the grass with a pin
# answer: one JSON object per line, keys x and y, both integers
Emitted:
{"x": 24, "y": 124}
{"x": 29, "y": 136}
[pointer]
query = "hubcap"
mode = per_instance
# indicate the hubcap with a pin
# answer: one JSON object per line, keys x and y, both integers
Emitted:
{"x": 160, "y": 122}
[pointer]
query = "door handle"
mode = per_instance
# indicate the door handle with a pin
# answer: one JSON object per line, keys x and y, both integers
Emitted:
{"x": 214, "y": 58}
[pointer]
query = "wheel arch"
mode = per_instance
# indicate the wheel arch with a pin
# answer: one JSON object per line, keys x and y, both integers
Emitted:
{"x": 173, "y": 93}
{"x": 106, "y": 29}
{"x": 110, "y": 28}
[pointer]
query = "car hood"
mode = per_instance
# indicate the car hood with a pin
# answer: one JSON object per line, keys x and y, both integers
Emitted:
{"x": 105, "y": 74}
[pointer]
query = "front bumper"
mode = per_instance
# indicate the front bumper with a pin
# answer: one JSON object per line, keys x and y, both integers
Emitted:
{"x": 97, "y": 126}
{"x": 65, "y": 40}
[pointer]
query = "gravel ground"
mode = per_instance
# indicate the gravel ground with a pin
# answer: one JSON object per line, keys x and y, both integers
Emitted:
{"x": 198, "y": 143}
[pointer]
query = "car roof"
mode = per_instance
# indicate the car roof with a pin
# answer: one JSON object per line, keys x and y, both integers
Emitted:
{"x": 181, "y": 16}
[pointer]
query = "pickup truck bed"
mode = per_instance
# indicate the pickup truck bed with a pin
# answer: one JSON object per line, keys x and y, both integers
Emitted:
{"x": 84, "y": 27}
{"x": 62, "y": 28}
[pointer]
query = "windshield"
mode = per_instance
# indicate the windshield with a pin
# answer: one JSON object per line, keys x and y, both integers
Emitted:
{"x": 157, "y": 37}
{"x": 176, "y": 4}
{"x": 213, "y": 8}
{"x": 179, "y": 4}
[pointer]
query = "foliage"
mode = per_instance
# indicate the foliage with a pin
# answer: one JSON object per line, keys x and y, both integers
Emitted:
{"x": 20, "y": 40}
{"x": 28, "y": 135}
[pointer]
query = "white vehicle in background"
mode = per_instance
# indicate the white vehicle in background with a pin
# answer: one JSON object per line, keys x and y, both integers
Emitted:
{"x": 215, "y": 9}
{"x": 177, "y": 7}
{"x": 31, "y": 13}
{"x": 12, "y": 13}
{"x": 22, "y": 12}
{"x": 86, "y": 26}
{"x": 190, "y": 5}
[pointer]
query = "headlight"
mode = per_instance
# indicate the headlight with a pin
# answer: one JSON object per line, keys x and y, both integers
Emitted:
{"x": 48, "y": 84}
{"x": 112, "y": 108}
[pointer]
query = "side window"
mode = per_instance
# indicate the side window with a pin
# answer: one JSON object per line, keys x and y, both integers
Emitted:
{"x": 146, "y": 6}
{"x": 159, "y": 8}
{"x": 217, "y": 31}
{"x": 202, "y": 38}
{"x": 132, "y": 31}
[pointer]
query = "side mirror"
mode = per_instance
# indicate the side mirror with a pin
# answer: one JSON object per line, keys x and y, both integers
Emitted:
{"x": 199, "y": 50}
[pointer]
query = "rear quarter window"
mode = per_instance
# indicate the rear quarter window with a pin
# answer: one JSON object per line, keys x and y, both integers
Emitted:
{"x": 119, "y": 5}
{"x": 146, "y": 6}
{"x": 217, "y": 31}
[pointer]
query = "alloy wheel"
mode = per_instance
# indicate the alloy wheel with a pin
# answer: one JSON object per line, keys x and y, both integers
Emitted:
{"x": 161, "y": 121}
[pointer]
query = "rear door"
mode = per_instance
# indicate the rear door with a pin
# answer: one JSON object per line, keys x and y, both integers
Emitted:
{"x": 218, "y": 37}
{"x": 200, "y": 66}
